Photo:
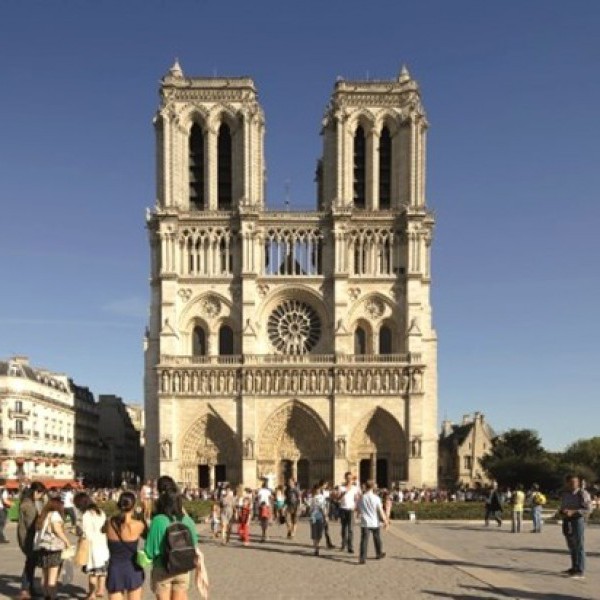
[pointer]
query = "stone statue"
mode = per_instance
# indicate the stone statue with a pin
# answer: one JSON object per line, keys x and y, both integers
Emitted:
{"x": 165, "y": 450}
{"x": 249, "y": 448}
{"x": 340, "y": 447}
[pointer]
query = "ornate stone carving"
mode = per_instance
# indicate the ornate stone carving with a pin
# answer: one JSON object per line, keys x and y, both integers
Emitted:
{"x": 166, "y": 449}
{"x": 262, "y": 289}
{"x": 294, "y": 327}
{"x": 211, "y": 307}
{"x": 340, "y": 447}
{"x": 375, "y": 308}
{"x": 354, "y": 292}
{"x": 249, "y": 448}
{"x": 185, "y": 294}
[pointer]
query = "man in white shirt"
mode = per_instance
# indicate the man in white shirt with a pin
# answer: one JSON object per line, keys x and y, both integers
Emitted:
{"x": 348, "y": 495}
{"x": 5, "y": 504}
{"x": 371, "y": 517}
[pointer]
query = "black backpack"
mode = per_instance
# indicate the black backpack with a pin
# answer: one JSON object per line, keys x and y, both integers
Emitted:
{"x": 180, "y": 552}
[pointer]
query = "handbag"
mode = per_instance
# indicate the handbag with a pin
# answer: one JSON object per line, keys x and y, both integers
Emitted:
{"x": 82, "y": 553}
{"x": 46, "y": 539}
{"x": 67, "y": 553}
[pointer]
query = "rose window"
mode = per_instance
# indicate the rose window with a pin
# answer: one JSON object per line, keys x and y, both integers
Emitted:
{"x": 294, "y": 327}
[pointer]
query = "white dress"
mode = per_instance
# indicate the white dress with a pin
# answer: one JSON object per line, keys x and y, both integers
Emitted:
{"x": 91, "y": 525}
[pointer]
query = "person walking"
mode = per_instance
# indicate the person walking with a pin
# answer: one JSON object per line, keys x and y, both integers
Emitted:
{"x": 244, "y": 513}
{"x": 292, "y": 506}
{"x": 574, "y": 508}
{"x": 147, "y": 496}
{"x": 537, "y": 501}
{"x": 493, "y": 506}
{"x": 67, "y": 497}
{"x": 518, "y": 504}
{"x": 29, "y": 509}
{"x": 168, "y": 509}
{"x": 125, "y": 578}
{"x": 349, "y": 493}
{"x": 371, "y": 517}
{"x": 227, "y": 513}
{"x": 318, "y": 516}
{"x": 49, "y": 542}
{"x": 5, "y": 504}
{"x": 93, "y": 520}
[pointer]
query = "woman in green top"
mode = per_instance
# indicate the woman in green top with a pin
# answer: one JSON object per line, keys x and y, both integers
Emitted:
{"x": 169, "y": 507}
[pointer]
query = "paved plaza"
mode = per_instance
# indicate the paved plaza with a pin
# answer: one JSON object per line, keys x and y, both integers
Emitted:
{"x": 459, "y": 561}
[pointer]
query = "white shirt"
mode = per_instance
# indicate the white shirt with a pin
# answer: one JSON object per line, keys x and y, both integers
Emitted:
{"x": 317, "y": 507}
{"x": 369, "y": 506}
{"x": 263, "y": 495}
{"x": 67, "y": 498}
{"x": 349, "y": 496}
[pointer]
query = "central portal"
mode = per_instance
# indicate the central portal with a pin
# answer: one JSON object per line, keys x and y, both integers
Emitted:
{"x": 295, "y": 443}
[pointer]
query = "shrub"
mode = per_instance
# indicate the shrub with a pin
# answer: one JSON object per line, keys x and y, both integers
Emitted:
{"x": 459, "y": 511}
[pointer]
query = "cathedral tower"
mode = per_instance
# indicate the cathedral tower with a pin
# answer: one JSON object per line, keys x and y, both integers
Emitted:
{"x": 297, "y": 343}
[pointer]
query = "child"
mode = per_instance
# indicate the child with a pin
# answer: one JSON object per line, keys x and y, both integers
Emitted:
{"x": 244, "y": 521}
{"x": 264, "y": 514}
{"x": 215, "y": 519}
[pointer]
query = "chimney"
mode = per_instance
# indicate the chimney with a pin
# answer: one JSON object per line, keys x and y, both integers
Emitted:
{"x": 467, "y": 419}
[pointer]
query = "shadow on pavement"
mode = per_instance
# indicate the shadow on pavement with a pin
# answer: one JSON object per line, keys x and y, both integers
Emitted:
{"x": 522, "y": 595}
{"x": 463, "y": 563}
{"x": 542, "y": 550}
{"x": 10, "y": 586}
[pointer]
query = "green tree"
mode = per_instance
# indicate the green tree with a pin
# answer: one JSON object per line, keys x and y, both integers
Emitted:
{"x": 584, "y": 455}
{"x": 518, "y": 456}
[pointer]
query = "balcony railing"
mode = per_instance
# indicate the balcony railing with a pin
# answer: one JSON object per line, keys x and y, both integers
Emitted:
{"x": 16, "y": 435}
{"x": 290, "y": 359}
{"x": 21, "y": 414}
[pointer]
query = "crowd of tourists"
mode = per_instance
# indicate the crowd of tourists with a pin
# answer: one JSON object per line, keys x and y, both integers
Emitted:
{"x": 151, "y": 529}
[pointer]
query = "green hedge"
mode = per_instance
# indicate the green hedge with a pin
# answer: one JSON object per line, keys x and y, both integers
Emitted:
{"x": 460, "y": 511}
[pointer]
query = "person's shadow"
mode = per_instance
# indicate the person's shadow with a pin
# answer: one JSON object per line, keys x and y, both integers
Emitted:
{"x": 10, "y": 586}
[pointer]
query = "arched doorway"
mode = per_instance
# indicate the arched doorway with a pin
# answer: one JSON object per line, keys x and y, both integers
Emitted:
{"x": 210, "y": 452}
{"x": 295, "y": 442}
{"x": 378, "y": 448}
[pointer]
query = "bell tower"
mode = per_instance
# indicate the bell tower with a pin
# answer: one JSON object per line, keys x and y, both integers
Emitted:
{"x": 209, "y": 142}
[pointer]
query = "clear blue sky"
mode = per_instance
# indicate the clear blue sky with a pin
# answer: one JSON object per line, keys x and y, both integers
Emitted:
{"x": 512, "y": 91}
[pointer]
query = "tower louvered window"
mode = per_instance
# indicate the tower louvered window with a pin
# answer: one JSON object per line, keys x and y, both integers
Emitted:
{"x": 385, "y": 169}
{"x": 224, "y": 169}
{"x": 196, "y": 167}
{"x": 360, "y": 182}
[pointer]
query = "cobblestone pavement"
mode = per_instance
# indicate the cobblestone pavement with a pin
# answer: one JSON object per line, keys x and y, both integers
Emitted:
{"x": 454, "y": 561}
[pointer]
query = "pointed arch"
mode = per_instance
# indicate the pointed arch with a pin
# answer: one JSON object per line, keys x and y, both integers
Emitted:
{"x": 196, "y": 167}
{"x": 224, "y": 167}
{"x": 359, "y": 154}
{"x": 292, "y": 433}
{"x": 385, "y": 169}
{"x": 380, "y": 439}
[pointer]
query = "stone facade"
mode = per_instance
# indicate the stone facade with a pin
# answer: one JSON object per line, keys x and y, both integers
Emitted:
{"x": 37, "y": 417}
{"x": 461, "y": 447}
{"x": 122, "y": 440}
{"x": 285, "y": 343}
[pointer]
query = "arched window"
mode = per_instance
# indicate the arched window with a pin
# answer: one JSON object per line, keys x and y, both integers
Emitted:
{"x": 224, "y": 171}
{"x": 385, "y": 340}
{"x": 360, "y": 163}
{"x": 385, "y": 169}
{"x": 360, "y": 341}
{"x": 225, "y": 340}
{"x": 198, "y": 342}
{"x": 196, "y": 167}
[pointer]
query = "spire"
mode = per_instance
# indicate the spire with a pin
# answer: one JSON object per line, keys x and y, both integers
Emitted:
{"x": 176, "y": 70}
{"x": 404, "y": 75}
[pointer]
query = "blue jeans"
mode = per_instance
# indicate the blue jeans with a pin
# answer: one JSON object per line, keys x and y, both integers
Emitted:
{"x": 573, "y": 532}
{"x": 517, "y": 519}
{"x": 536, "y": 517}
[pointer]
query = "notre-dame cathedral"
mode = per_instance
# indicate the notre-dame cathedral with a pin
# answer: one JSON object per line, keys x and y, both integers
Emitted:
{"x": 286, "y": 343}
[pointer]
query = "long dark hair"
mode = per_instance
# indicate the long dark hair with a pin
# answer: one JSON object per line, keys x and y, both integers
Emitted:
{"x": 53, "y": 505}
{"x": 84, "y": 503}
{"x": 170, "y": 504}
{"x": 125, "y": 504}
